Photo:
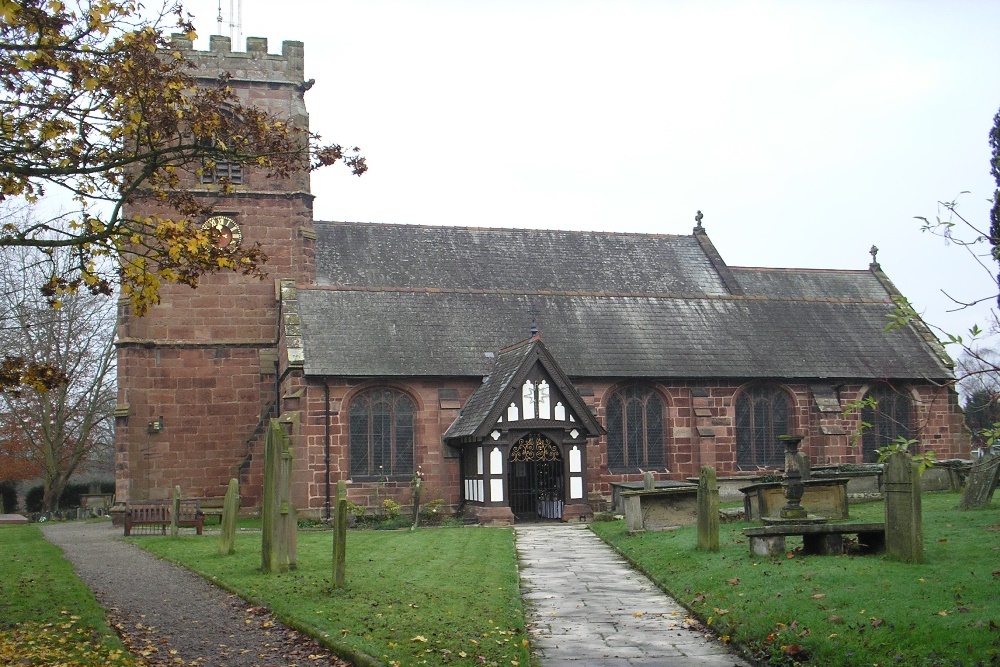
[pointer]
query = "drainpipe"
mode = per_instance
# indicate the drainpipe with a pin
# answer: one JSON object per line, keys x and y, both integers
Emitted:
{"x": 326, "y": 423}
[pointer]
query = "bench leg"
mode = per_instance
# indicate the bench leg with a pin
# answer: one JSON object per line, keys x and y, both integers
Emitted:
{"x": 769, "y": 545}
{"x": 823, "y": 545}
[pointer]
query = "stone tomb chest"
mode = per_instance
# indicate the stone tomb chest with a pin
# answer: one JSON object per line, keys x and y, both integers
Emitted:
{"x": 822, "y": 497}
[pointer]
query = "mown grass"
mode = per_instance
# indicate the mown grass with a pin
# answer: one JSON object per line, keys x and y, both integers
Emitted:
{"x": 841, "y": 610}
{"x": 47, "y": 615}
{"x": 429, "y": 597}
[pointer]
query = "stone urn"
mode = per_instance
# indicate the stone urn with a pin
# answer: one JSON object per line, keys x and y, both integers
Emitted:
{"x": 792, "y": 484}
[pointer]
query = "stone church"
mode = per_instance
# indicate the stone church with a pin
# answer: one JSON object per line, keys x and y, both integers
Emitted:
{"x": 521, "y": 372}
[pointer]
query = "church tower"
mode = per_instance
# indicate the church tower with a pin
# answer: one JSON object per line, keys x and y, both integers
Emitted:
{"x": 197, "y": 374}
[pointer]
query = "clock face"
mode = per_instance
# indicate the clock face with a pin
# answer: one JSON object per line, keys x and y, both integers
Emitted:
{"x": 230, "y": 235}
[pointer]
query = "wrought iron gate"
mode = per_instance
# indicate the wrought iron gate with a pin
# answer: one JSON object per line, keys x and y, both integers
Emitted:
{"x": 536, "y": 479}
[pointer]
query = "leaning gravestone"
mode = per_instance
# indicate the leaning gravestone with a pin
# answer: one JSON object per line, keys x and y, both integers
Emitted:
{"x": 230, "y": 509}
{"x": 904, "y": 537}
{"x": 982, "y": 482}
{"x": 708, "y": 510}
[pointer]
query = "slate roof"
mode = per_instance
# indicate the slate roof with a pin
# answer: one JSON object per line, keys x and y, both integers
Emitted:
{"x": 809, "y": 283}
{"x": 417, "y": 256}
{"x": 397, "y": 301}
{"x": 480, "y": 413}
{"x": 486, "y": 396}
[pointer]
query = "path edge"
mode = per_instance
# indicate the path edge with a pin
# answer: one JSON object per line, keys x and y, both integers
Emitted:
{"x": 737, "y": 648}
{"x": 349, "y": 653}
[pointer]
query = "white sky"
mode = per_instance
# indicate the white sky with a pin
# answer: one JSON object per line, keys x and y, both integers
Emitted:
{"x": 805, "y": 131}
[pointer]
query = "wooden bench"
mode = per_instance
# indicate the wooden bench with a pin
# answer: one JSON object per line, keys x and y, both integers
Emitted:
{"x": 157, "y": 513}
{"x": 212, "y": 507}
{"x": 817, "y": 539}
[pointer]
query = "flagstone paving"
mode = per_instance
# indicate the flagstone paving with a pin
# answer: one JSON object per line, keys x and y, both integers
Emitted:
{"x": 587, "y": 607}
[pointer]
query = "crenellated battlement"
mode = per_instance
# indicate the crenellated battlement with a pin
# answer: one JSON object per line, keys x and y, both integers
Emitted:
{"x": 253, "y": 65}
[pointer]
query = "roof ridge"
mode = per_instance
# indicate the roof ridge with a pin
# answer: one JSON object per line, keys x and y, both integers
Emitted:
{"x": 798, "y": 269}
{"x": 598, "y": 295}
{"x": 406, "y": 225}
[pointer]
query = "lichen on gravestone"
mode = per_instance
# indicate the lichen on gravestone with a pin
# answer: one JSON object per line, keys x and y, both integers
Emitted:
{"x": 230, "y": 510}
{"x": 708, "y": 510}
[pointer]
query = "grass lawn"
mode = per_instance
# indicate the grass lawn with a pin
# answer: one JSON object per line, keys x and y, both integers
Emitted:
{"x": 47, "y": 615}
{"x": 841, "y": 610}
{"x": 436, "y": 596}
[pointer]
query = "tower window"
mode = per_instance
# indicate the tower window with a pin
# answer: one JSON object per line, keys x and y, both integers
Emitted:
{"x": 222, "y": 170}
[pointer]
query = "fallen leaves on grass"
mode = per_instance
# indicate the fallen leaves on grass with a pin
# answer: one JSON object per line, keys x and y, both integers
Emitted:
{"x": 65, "y": 643}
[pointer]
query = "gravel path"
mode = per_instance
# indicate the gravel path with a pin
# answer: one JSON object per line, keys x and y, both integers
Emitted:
{"x": 167, "y": 615}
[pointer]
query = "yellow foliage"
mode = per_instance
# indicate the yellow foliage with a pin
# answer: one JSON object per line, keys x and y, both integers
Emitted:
{"x": 58, "y": 644}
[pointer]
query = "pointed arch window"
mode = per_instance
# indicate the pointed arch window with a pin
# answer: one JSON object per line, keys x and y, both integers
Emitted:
{"x": 382, "y": 434}
{"x": 888, "y": 420}
{"x": 762, "y": 414}
{"x": 635, "y": 429}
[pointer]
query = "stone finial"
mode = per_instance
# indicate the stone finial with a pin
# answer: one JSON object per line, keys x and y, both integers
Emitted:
{"x": 533, "y": 332}
{"x": 697, "y": 218}
{"x": 874, "y": 253}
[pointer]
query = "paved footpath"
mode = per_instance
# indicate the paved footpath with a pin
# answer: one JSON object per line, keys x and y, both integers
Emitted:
{"x": 588, "y": 608}
{"x": 171, "y": 616}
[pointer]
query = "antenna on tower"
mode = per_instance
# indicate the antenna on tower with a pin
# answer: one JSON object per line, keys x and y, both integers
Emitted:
{"x": 235, "y": 21}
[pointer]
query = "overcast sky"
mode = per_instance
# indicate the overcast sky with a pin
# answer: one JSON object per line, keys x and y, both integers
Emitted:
{"x": 806, "y": 132}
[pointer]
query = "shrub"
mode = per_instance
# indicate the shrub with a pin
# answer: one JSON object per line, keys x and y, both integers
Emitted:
{"x": 431, "y": 513}
{"x": 8, "y": 492}
{"x": 70, "y": 496}
{"x": 390, "y": 508}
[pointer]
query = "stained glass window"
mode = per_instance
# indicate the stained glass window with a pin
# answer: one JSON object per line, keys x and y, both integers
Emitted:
{"x": 762, "y": 414}
{"x": 635, "y": 429}
{"x": 888, "y": 420}
{"x": 381, "y": 433}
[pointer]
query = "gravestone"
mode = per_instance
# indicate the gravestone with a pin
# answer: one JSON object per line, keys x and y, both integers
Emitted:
{"x": 982, "y": 482}
{"x": 230, "y": 508}
{"x": 418, "y": 485}
{"x": 708, "y": 510}
{"x": 277, "y": 516}
{"x": 175, "y": 511}
{"x": 904, "y": 538}
{"x": 340, "y": 536}
{"x": 648, "y": 481}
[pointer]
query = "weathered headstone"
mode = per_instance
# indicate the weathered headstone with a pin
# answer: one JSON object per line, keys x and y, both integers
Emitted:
{"x": 418, "y": 485}
{"x": 230, "y": 510}
{"x": 708, "y": 510}
{"x": 648, "y": 481}
{"x": 288, "y": 525}
{"x": 904, "y": 537}
{"x": 277, "y": 522}
{"x": 340, "y": 536}
{"x": 175, "y": 511}
{"x": 983, "y": 479}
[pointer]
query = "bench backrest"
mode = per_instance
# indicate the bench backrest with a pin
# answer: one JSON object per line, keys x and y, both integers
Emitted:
{"x": 160, "y": 510}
